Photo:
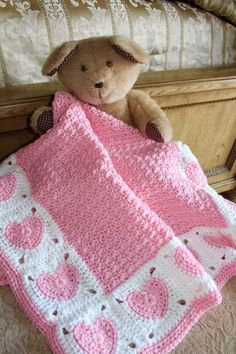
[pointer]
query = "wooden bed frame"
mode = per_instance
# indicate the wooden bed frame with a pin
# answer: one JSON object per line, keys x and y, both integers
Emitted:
{"x": 200, "y": 103}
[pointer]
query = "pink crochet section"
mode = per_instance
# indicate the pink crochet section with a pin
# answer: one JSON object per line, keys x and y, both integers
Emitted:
{"x": 195, "y": 174}
{"x": 153, "y": 172}
{"x": 3, "y": 280}
{"x": 7, "y": 186}
{"x": 94, "y": 188}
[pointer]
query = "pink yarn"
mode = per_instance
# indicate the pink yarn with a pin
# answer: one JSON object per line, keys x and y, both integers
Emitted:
{"x": 7, "y": 186}
{"x": 3, "y": 280}
{"x": 195, "y": 174}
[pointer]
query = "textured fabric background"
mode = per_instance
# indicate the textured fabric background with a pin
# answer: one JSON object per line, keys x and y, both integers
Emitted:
{"x": 176, "y": 34}
{"x": 224, "y": 8}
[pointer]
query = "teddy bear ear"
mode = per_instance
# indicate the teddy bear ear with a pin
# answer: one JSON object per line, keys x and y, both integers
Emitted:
{"x": 129, "y": 49}
{"x": 59, "y": 57}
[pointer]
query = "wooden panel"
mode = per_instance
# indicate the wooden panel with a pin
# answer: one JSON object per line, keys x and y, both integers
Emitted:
{"x": 13, "y": 124}
{"x": 12, "y": 141}
{"x": 225, "y": 74}
{"x": 185, "y": 81}
{"x": 165, "y": 83}
{"x": 28, "y": 93}
{"x": 209, "y": 128}
{"x": 192, "y": 98}
{"x": 225, "y": 185}
{"x": 221, "y": 175}
{"x": 13, "y": 110}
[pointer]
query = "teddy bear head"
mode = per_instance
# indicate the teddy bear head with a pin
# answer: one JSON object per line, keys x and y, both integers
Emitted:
{"x": 99, "y": 70}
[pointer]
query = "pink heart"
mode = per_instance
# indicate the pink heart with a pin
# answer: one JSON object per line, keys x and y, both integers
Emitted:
{"x": 187, "y": 262}
{"x": 194, "y": 253}
{"x": 199, "y": 288}
{"x": 152, "y": 302}
{"x": 220, "y": 241}
{"x": 7, "y": 186}
{"x": 99, "y": 338}
{"x": 60, "y": 286}
{"x": 27, "y": 234}
{"x": 195, "y": 174}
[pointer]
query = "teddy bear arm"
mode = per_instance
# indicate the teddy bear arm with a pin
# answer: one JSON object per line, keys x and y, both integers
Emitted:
{"x": 149, "y": 117}
{"x": 42, "y": 120}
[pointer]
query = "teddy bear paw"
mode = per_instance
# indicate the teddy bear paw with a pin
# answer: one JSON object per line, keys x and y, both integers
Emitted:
{"x": 153, "y": 132}
{"x": 42, "y": 120}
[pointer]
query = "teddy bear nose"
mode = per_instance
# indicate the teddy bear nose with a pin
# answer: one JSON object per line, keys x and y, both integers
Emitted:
{"x": 99, "y": 84}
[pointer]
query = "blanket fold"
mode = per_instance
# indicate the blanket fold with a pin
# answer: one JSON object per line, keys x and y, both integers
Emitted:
{"x": 112, "y": 243}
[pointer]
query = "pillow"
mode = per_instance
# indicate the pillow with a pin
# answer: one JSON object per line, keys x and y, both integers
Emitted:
{"x": 222, "y": 8}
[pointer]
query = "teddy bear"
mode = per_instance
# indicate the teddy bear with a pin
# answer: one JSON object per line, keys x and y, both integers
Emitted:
{"x": 101, "y": 71}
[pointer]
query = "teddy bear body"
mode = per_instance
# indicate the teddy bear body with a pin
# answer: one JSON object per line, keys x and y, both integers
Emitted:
{"x": 101, "y": 71}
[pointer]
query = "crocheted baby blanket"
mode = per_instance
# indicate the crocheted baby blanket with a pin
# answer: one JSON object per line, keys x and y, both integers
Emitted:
{"x": 111, "y": 243}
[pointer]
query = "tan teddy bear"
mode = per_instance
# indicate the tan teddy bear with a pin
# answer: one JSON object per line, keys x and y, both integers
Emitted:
{"x": 102, "y": 71}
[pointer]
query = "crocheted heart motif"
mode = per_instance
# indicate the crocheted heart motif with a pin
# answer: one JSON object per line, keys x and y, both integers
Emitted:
{"x": 152, "y": 302}
{"x": 220, "y": 241}
{"x": 62, "y": 285}
{"x": 99, "y": 338}
{"x": 27, "y": 234}
{"x": 187, "y": 262}
{"x": 7, "y": 186}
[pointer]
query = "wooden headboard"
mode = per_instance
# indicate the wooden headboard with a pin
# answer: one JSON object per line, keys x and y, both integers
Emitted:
{"x": 200, "y": 103}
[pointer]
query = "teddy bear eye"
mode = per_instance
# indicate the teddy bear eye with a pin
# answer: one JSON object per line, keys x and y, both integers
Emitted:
{"x": 109, "y": 63}
{"x": 83, "y": 68}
